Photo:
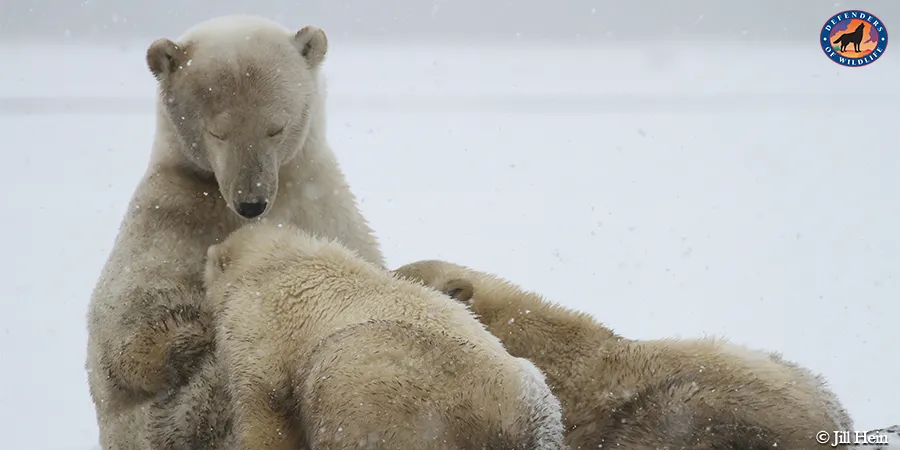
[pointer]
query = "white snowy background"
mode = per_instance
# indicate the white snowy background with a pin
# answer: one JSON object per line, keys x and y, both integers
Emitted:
{"x": 670, "y": 191}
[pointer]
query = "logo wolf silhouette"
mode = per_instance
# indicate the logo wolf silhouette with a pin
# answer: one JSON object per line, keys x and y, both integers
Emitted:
{"x": 854, "y": 38}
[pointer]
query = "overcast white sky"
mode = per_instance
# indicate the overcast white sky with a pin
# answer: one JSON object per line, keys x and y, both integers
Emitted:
{"x": 445, "y": 20}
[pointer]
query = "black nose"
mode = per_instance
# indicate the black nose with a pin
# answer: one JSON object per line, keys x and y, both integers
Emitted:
{"x": 250, "y": 210}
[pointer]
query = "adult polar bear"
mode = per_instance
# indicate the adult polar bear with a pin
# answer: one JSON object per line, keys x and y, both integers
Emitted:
{"x": 240, "y": 126}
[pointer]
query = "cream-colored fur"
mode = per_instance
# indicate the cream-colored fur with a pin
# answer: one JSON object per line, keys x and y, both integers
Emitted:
{"x": 327, "y": 350}
{"x": 240, "y": 118}
{"x": 641, "y": 395}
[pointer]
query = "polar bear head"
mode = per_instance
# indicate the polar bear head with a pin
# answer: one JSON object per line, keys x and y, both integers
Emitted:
{"x": 259, "y": 246}
{"x": 253, "y": 247}
{"x": 497, "y": 302}
{"x": 241, "y": 94}
{"x": 450, "y": 279}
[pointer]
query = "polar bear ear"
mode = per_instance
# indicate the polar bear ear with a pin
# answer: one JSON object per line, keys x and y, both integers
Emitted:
{"x": 164, "y": 57}
{"x": 217, "y": 257}
{"x": 459, "y": 289}
{"x": 312, "y": 43}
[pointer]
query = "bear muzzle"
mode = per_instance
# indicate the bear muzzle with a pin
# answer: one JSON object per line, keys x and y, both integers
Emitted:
{"x": 251, "y": 209}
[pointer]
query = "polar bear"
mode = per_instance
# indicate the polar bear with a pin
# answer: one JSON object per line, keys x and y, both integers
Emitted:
{"x": 323, "y": 349}
{"x": 240, "y": 137}
{"x": 668, "y": 393}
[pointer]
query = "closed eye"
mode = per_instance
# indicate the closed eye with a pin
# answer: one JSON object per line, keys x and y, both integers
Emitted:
{"x": 276, "y": 132}
{"x": 221, "y": 138}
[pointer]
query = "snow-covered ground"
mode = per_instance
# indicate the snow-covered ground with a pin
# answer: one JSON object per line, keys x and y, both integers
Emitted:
{"x": 747, "y": 191}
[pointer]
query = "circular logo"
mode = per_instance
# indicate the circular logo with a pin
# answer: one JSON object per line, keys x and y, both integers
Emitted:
{"x": 854, "y": 38}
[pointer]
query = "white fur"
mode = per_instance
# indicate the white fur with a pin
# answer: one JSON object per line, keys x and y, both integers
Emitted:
{"x": 224, "y": 30}
{"x": 547, "y": 412}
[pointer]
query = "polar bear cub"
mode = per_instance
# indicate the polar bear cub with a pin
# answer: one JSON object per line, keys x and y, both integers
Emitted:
{"x": 325, "y": 349}
{"x": 702, "y": 394}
